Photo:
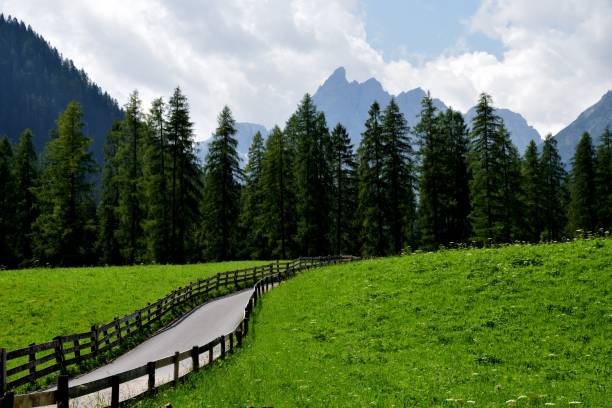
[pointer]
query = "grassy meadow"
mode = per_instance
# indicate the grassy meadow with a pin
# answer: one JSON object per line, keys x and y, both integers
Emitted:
{"x": 39, "y": 304}
{"x": 515, "y": 326}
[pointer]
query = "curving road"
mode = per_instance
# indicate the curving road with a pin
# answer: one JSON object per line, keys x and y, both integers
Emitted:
{"x": 202, "y": 325}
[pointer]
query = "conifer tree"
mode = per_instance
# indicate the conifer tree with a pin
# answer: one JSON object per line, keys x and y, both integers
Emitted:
{"x": 312, "y": 177}
{"x": 582, "y": 211}
{"x": 553, "y": 191}
{"x": 508, "y": 160}
{"x": 185, "y": 180}
{"x": 343, "y": 236}
{"x": 7, "y": 205}
{"x": 109, "y": 248}
{"x": 221, "y": 201}
{"x": 603, "y": 181}
{"x": 26, "y": 174}
{"x": 253, "y": 244}
{"x": 531, "y": 174}
{"x": 398, "y": 169}
{"x": 279, "y": 207}
{"x": 65, "y": 226}
{"x": 157, "y": 222}
{"x": 373, "y": 187}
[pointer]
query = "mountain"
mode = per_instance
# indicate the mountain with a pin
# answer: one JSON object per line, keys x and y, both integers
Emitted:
{"x": 244, "y": 134}
{"x": 36, "y": 84}
{"x": 348, "y": 103}
{"x": 593, "y": 120}
{"x": 521, "y": 132}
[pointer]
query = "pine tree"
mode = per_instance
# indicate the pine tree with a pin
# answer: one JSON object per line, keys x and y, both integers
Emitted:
{"x": 603, "y": 181}
{"x": 582, "y": 212}
{"x": 26, "y": 174}
{"x": 398, "y": 169}
{"x": 109, "y": 248}
{"x": 65, "y": 227}
{"x": 312, "y": 177}
{"x": 129, "y": 162}
{"x": 343, "y": 234}
{"x": 373, "y": 186}
{"x": 7, "y": 205}
{"x": 252, "y": 200}
{"x": 279, "y": 207}
{"x": 508, "y": 160}
{"x": 157, "y": 223}
{"x": 185, "y": 181}
{"x": 222, "y": 175}
{"x": 553, "y": 191}
{"x": 531, "y": 173}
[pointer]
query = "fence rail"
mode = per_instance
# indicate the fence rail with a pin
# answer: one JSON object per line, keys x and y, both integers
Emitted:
{"x": 63, "y": 351}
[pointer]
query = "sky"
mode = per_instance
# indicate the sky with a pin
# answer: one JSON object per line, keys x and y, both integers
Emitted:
{"x": 547, "y": 59}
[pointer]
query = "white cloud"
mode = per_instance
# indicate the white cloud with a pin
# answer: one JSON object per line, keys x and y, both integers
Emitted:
{"x": 261, "y": 56}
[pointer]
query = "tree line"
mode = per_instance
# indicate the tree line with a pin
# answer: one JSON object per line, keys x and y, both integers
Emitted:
{"x": 305, "y": 190}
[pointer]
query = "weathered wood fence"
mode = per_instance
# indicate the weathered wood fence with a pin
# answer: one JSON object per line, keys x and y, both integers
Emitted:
{"x": 55, "y": 356}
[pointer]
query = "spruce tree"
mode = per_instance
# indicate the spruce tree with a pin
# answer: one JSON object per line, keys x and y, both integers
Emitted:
{"x": 220, "y": 204}
{"x": 26, "y": 176}
{"x": 582, "y": 211}
{"x": 509, "y": 226}
{"x": 398, "y": 169}
{"x": 156, "y": 186}
{"x": 603, "y": 181}
{"x": 185, "y": 181}
{"x": 373, "y": 186}
{"x": 253, "y": 244}
{"x": 312, "y": 177}
{"x": 553, "y": 191}
{"x": 531, "y": 174}
{"x": 109, "y": 248}
{"x": 279, "y": 207}
{"x": 7, "y": 205}
{"x": 343, "y": 234}
{"x": 65, "y": 226}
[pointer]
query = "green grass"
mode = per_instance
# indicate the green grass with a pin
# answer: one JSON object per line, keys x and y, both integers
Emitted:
{"x": 39, "y": 304}
{"x": 531, "y": 324}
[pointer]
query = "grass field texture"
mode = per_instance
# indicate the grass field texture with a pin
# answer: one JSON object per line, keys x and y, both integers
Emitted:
{"x": 39, "y": 304}
{"x": 516, "y": 326}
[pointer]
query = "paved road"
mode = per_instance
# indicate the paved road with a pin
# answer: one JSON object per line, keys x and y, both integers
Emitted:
{"x": 202, "y": 325}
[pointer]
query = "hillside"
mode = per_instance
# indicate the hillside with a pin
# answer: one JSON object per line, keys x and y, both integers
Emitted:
{"x": 516, "y": 326}
{"x": 36, "y": 84}
{"x": 593, "y": 120}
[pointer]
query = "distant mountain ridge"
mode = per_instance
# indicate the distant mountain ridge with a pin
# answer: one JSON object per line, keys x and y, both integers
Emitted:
{"x": 36, "y": 84}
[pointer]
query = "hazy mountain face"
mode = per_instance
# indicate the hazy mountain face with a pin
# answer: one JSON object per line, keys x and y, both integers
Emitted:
{"x": 244, "y": 134}
{"x": 593, "y": 120}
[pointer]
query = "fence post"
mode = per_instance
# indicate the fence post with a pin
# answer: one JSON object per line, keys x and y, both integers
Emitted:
{"x": 77, "y": 350}
{"x": 3, "y": 379}
{"x": 151, "y": 374}
{"x": 59, "y": 353}
{"x": 246, "y": 325}
{"x": 231, "y": 338}
{"x": 195, "y": 358}
{"x": 94, "y": 340}
{"x": 176, "y": 368}
{"x": 62, "y": 391}
{"x": 211, "y": 357}
{"x": 115, "y": 391}
{"x": 8, "y": 400}
{"x": 222, "y": 347}
{"x": 32, "y": 359}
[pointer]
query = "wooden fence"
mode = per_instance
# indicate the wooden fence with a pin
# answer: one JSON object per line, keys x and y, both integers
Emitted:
{"x": 55, "y": 356}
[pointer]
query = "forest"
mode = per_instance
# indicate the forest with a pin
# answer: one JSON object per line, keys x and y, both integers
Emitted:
{"x": 305, "y": 190}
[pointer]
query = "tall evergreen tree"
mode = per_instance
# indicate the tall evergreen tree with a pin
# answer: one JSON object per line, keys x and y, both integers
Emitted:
{"x": 312, "y": 176}
{"x": 156, "y": 191}
{"x": 553, "y": 191}
{"x": 582, "y": 211}
{"x": 65, "y": 227}
{"x": 26, "y": 175}
{"x": 253, "y": 244}
{"x": 343, "y": 235}
{"x": 279, "y": 206}
{"x": 185, "y": 189}
{"x": 398, "y": 169}
{"x": 508, "y": 161}
{"x": 373, "y": 186}
{"x": 531, "y": 173}
{"x": 109, "y": 248}
{"x": 603, "y": 181}
{"x": 222, "y": 175}
{"x": 7, "y": 205}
